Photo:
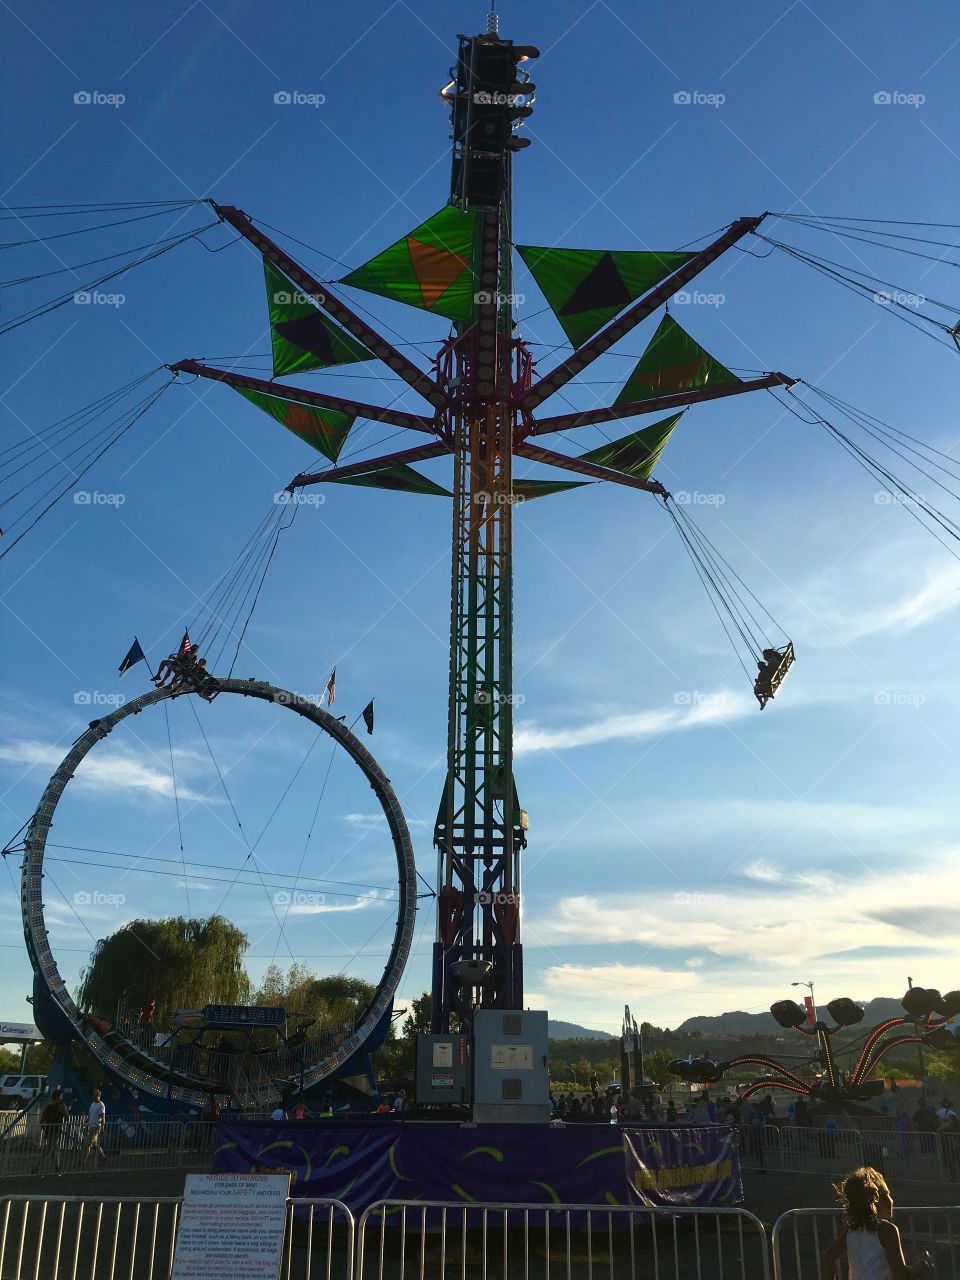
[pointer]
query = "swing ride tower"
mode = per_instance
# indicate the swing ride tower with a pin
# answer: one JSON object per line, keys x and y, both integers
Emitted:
{"x": 483, "y": 392}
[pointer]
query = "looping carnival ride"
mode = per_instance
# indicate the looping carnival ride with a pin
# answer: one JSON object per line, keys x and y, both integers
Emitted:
{"x": 178, "y": 1074}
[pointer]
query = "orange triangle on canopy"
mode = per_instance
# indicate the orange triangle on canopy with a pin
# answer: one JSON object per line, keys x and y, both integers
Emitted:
{"x": 436, "y": 269}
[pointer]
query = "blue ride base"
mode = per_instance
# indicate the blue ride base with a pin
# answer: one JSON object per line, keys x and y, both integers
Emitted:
{"x": 353, "y": 1086}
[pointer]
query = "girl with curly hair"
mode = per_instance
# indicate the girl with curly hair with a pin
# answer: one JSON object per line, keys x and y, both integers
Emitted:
{"x": 870, "y": 1242}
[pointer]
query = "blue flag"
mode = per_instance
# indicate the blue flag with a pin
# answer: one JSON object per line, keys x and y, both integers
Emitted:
{"x": 135, "y": 655}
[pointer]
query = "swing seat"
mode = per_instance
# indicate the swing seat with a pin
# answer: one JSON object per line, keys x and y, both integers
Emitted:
{"x": 773, "y": 672}
{"x": 201, "y": 682}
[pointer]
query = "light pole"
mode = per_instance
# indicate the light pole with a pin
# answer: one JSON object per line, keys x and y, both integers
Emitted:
{"x": 813, "y": 1002}
{"x": 923, "y": 1069}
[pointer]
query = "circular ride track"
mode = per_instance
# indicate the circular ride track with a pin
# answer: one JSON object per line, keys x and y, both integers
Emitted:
{"x": 143, "y": 1069}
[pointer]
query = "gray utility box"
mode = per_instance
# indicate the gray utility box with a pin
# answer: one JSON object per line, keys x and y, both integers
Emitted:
{"x": 443, "y": 1069}
{"x": 511, "y": 1083}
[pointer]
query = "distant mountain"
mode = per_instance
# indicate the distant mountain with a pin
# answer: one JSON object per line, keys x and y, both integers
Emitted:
{"x": 557, "y": 1030}
{"x": 747, "y": 1024}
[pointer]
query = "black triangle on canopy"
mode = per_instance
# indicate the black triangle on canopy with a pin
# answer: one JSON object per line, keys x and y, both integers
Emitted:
{"x": 603, "y": 287}
{"x": 312, "y": 333}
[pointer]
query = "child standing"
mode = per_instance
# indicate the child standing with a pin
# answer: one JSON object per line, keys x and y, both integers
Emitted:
{"x": 870, "y": 1242}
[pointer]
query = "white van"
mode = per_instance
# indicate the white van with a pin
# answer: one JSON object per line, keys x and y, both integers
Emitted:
{"x": 17, "y": 1091}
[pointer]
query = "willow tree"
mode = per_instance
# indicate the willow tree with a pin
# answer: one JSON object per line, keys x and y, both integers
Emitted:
{"x": 332, "y": 1000}
{"x": 180, "y": 963}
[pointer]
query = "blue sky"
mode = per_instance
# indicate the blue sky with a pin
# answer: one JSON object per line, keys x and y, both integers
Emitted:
{"x": 688, "y": 854}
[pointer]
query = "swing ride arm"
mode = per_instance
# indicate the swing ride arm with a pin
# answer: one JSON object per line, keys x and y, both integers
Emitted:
{"x": 615, "y": 330}
{"x": 320, "y": 295}
{"x": 296, "y": 395}
{"x": 609, "y": 413}
{"x": 404, "y": 458}
{"x": 536, "y": 454}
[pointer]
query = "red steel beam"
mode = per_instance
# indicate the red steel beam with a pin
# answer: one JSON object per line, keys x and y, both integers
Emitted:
{"x": 564, "y": 421}
{"x": 396, "y": 417}
{"x": 584, "y": 468}
{"x": 407, "y": 456}
{"x": 320, "y": 294}
{"x": 616, "y": 329}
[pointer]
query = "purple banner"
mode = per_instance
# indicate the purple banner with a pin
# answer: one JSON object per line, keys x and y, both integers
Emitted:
{"x": 362, "y": 1162}
{"x": 686, "y": 1166}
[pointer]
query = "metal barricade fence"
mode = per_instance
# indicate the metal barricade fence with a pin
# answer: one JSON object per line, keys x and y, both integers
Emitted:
{"x": 142, "y": 1143}
{"x": 800, "y": 1236}
{"x": 120, "y": 1238}
{"x": 417, "y": 1240}
{"x": 908, "y": 1157}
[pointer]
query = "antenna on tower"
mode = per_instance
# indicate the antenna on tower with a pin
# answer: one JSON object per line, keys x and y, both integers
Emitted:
{"x": 493, "y": 20}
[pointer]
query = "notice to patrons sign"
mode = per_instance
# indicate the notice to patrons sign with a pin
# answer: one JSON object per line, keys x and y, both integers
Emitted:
{"x": 231, "y": 1224}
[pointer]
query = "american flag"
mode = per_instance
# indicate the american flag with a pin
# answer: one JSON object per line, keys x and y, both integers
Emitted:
{"x": 185, "y": 645}
{"x": 332, "y": 687}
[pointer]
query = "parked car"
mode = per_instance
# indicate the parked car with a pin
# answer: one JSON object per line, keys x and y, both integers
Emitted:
{"x": 17, "y": 1091}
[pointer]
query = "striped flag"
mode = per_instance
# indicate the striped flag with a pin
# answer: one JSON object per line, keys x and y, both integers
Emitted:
{"x": 332, "y": 688}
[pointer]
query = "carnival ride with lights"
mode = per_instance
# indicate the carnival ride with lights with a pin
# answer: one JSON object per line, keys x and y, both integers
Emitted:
{"x": 930, "y": 1016}
{"x": 483, "y": 392}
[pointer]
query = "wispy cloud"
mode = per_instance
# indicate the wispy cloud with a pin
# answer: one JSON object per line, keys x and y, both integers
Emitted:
{"x": 766, "y": 873}
{"x": 873, "y": 605}
{"x": 717, "y": 708}
{"x": 114, "y": 771}
{"x": 324, "y": 908}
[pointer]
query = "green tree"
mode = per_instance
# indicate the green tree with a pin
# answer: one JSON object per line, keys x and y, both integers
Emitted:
{"x": 329, "y": 1002}
{"x": 655, "y": 1066}
{"x": 182, "y": 964}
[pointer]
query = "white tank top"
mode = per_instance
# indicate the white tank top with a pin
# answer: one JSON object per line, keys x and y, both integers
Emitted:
{"x": 866, "y": 1256}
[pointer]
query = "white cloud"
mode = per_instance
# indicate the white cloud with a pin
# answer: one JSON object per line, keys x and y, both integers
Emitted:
{"x": 843, "y": 608}
{"x": 779, "y": 931}
{"x": 704, "y": 709}
{"x": 322, "y": 908}
{"x": 615, "y": 979}
{"x": 112, "y": 771}
{"x": 766, "y": 873}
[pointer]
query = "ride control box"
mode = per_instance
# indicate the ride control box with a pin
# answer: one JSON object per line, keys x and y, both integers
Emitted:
{"x": 443, "y": 1069}
{"x": 511, "y": 1081}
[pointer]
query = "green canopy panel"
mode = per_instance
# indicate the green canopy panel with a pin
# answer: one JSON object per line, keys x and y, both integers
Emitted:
{"x": 433, "y": 268}
{"x": 527, "y": 490}
{"x": 400, "y": 477}
{"x": 673, "y": 362}
{"x": 638, "y": 453}
{"x": 323, "y": 429}
{"x": 302, "y": 337}
{"x": 586, "y": 288}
